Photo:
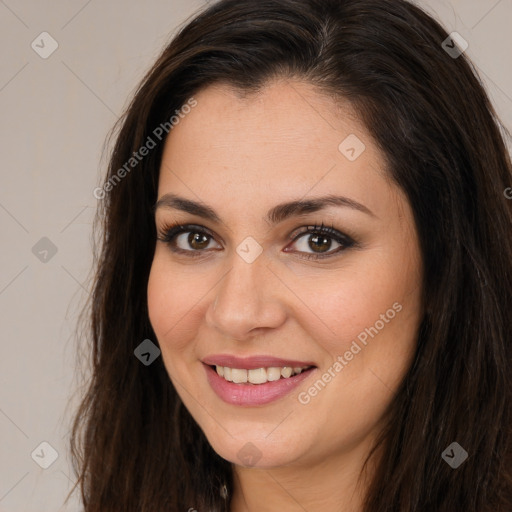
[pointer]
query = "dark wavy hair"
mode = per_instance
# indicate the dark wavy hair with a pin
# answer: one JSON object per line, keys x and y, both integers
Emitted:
{"x": 134, "y": 445}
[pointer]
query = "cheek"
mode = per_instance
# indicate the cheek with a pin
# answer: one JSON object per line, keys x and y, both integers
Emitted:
{"x": 360, "y": 300}
{"x": 160, "y": 303}
{"x": 171, "y": 298}
{"x": 376, "y": 330}
{"x": 370, "y": 319}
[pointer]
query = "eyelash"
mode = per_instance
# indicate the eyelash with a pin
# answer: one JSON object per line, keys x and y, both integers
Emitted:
{"x": 168, "y": 233}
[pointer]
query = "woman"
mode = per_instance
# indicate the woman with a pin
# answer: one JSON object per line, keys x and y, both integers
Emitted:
{"x": 303, "y": 293}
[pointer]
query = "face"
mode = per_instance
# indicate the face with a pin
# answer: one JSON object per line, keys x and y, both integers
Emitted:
{"x": 333, "y": 286}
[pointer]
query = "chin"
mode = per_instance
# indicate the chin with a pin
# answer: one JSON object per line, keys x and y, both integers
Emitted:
{"x": 255, "y": 449}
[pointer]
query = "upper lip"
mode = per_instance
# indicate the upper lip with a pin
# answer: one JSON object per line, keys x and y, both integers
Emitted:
{"x": 253, "y": 362}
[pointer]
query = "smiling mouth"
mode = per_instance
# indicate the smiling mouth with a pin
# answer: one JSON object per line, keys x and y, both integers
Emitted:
{"x": 258, "y": 375}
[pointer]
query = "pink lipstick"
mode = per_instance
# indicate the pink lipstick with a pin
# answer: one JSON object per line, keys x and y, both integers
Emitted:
{"x": 258, "y": 380}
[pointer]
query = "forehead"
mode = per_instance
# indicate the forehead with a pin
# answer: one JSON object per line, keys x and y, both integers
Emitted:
{"x": 285, "y": 142}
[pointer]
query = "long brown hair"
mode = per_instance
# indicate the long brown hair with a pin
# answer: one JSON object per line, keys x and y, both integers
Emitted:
{"x": 134, "y": 445}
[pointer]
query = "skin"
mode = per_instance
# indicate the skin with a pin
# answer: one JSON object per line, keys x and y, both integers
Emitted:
{"x": 242, "y": 156}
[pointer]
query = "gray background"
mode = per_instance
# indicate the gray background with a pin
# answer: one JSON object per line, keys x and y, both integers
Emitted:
{"x": 55, "y": 115}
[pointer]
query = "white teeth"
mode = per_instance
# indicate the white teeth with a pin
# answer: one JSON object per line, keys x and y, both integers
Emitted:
{"x": 257, "y": 375}
{"x": 286, "y": 372}
{"x": 238, "y": 376}
{"x": 273, "y": 373}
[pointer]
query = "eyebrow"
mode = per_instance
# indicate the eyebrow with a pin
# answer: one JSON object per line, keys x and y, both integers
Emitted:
{"x": 275, "y": 215}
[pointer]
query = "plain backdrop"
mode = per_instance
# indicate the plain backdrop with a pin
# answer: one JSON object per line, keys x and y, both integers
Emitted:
{"x": 55, "y": 115}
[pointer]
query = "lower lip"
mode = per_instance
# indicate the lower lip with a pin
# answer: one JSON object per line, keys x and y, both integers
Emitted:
{"x": 247, "y": 394}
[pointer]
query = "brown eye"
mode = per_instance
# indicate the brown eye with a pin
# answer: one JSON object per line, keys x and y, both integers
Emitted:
{"x": 186, "y": 239}
{"x": 194, "y": 241}
{"x": 197, "y": 240}
{"x": 317, "y": 241}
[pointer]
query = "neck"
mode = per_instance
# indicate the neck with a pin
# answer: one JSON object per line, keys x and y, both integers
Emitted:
{"x": 329, "y": 484}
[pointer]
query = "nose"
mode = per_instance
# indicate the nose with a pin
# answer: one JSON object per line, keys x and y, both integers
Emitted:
{"x": 248, "y": 300}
